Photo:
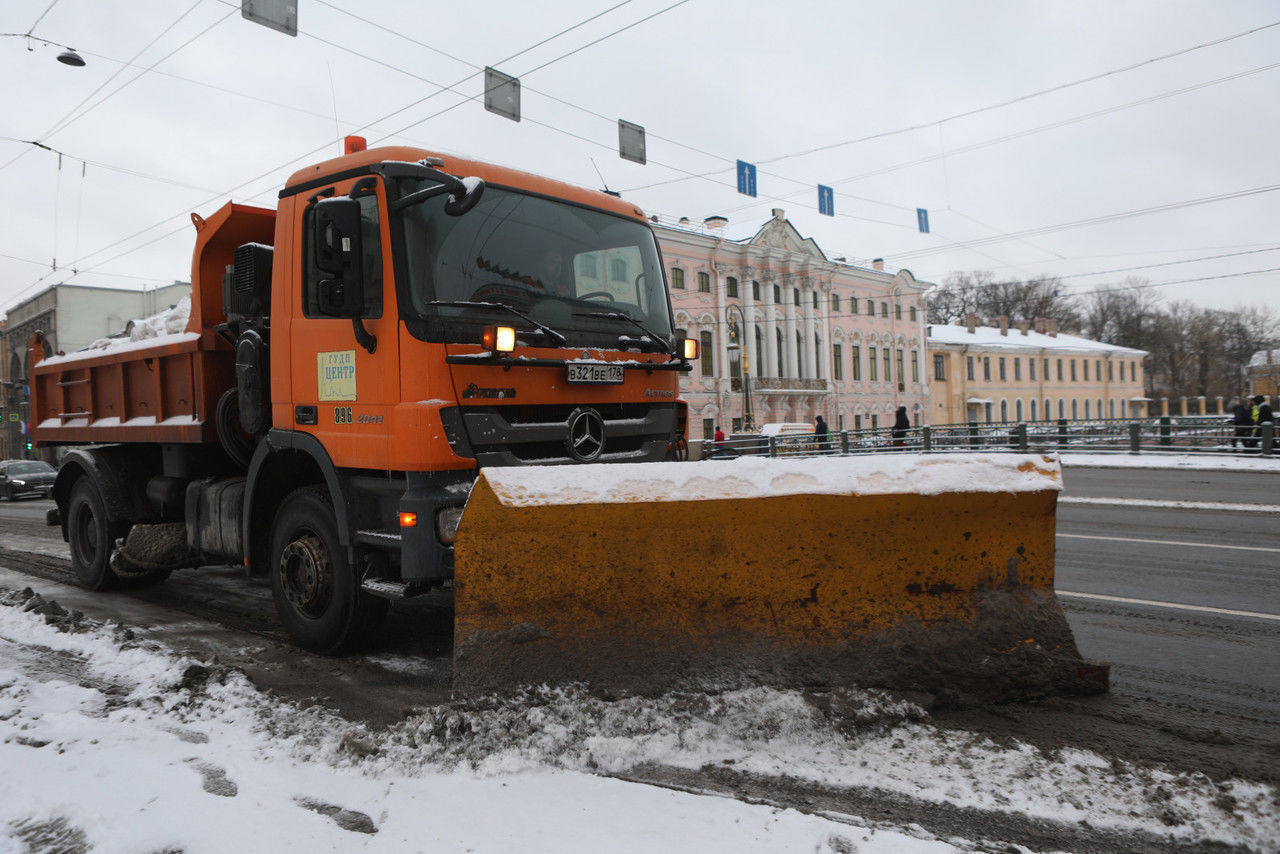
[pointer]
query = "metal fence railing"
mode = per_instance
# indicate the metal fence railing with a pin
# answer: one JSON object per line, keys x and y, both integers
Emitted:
{"x": 1205, "y": 434}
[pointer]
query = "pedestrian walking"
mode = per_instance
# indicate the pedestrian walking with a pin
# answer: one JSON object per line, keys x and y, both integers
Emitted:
{"x": 820, "y": 433}
{"x": 901, "y": 424}
{"x": 1242, "y": 422}
{"x": 1262, "y": 415}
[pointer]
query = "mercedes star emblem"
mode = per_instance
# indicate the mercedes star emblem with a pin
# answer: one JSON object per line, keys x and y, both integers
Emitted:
{"x": 586, "y": 435}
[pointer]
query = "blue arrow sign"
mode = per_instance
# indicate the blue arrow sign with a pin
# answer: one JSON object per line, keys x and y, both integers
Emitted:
{"x": 922, "y": 220}
{"x": 746, "y": 178}
{"x": 826, "y": 201}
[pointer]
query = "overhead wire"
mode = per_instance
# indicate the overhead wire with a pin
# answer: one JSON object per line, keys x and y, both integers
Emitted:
{"x": 320, "y": 148}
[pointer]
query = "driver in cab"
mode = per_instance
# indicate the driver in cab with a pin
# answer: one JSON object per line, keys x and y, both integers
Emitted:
{"x": 553, "y": 277}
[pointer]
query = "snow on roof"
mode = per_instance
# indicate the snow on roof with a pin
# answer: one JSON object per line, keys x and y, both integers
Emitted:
{"x": 990, "y": 337}
{"x": 1264, "y": 357}
{"x": 763, "y": 477}
{"x": 162, "y": 327}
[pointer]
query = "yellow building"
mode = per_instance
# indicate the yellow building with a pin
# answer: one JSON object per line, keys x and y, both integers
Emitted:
{"x": 1001, "y": 374}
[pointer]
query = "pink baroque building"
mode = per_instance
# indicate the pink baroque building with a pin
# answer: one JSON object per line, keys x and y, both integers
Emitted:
{"x": 821, "y": 336}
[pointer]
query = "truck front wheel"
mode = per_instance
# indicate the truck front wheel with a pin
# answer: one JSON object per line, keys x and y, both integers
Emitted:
{"x": 91, "y": 536}
{"x": 316, "y": 590}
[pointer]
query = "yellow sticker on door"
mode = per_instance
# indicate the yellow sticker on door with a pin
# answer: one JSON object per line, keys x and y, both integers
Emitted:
{"x": 337, "y": 374}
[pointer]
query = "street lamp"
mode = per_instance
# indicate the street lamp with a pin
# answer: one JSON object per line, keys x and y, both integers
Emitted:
{"x": 737, "y": 332}
{"x": 67, "y": 57}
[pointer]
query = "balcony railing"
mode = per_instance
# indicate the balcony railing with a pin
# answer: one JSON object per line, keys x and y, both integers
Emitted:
{"x": 787, "y": 384}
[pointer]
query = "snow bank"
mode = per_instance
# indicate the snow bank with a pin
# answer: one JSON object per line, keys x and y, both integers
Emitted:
{"x": 760, "y": 477}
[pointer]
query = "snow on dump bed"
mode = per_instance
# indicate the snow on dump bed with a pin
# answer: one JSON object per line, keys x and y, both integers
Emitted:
{"x": 762, "y": 477}
{"x": 165, "y": 327}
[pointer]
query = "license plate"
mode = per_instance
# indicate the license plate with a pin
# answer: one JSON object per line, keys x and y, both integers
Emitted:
{"x": 585, "y": 372}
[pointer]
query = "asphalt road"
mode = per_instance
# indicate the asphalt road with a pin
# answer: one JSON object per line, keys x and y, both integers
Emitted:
{"x": 1201, "y": 627}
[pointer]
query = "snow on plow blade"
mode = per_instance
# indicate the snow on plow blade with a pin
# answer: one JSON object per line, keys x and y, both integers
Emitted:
{"x": 930, "y": 574}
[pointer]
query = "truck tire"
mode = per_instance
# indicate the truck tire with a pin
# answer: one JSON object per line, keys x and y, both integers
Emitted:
{"x": 316, "y": 590}
{"x": 91, "y": 536}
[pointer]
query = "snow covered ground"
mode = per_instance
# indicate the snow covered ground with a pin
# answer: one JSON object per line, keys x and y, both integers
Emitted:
{"x": 112, "y": 743}
{"x": 1189, "y": 462}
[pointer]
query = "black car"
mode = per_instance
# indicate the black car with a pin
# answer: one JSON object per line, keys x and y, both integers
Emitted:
{"x": 23, "y": 478}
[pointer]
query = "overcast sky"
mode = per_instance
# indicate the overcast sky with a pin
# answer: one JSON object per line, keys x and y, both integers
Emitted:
{"x": 214, "y": 107}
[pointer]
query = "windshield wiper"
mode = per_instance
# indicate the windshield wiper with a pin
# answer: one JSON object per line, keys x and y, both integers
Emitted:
{"x": 668, "y": 348}
{"x": 564, "y": 342}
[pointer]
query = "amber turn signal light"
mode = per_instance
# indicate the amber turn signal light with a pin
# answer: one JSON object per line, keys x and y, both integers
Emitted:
{"x": 408, "y": 520}
{"x": 687, "y": 348}
{"x": 500, "y": 339}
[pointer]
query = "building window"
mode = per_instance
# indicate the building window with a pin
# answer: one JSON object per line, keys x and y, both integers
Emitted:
{"x": 1004, "y": 374}
{"x": 872, "y": 370}
{"x": 835, "y": 303}
{"x": 704, "y": 283}
{"x": 1111, "y": 371}
{"x": 1075, "y": 410}
{"x": 778, "y": 349}
{"x": 885, "y": 356}
{"x": 1133, "y": 372}
{"x": 857, "y": 423}
{"x": 1004, "y": 411}
{"x": 915, "y": 366}
{"x": 731, "y": 286}
{"x": 913, "y": 314}
{"x": 1122, "y": 372}
{"x": 837, "y": 369}
{"x": 708, "y": 362}
{"x": 1086, "y": 410}
{"x": 897, "y": 311}
{"x": 759, "y": 352}
{"x": 884, "y": 309}
{"x": 1111, "y": 405}
{"x": 939, "y": 368}
{"x": 1073, "y": 370}
{"x": 1031, "y": 371}
{"x": 1059, "y": 376}
{"x": 901, "y": 373}
{"x": 815, "y": 300}
{"x": 840, "y": 423}
{"x": 1062, "y": 408}
{"x": 1097, "y": 373}
{"x": 855, "y": 363}
{"x": 1046, "y": 377}
{"x": 969, "y": 368}
{"x": 817, "y": 356}
{"x": 587, "y": 266}
{"x": 1033, "y": 404}
{"x": 777, "y": 294}
{"x": 755, "y": 290}
{"x": 795, "y": 297}
{"x": 708, "y": 430}
{"x": 853, "y": 308}
{"x": 1017, "y": 410}
{"x": 799, "y": 355}
{"x": 986, "y": 368}
{"x": 875, "y": 422}
{"x": 1017, "y": 371}
{"x": 1085, "y": 366}
{"x": 677, "y": 278}
{"x": 737, "y": 425}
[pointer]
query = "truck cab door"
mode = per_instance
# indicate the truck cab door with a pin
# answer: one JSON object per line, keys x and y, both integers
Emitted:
{"x": 345, "y": 384}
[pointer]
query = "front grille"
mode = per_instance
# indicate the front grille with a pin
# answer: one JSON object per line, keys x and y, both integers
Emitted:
{"x": 537, "y": 434}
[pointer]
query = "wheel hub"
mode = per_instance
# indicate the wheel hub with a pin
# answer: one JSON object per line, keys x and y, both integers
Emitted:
{"x": 306, "y": 576}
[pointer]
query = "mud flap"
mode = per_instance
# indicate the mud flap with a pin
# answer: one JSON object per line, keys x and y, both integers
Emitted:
{"x": 805, "y": 573}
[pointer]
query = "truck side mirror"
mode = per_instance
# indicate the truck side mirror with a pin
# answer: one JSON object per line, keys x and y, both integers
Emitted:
{"x": 338, "y": 251}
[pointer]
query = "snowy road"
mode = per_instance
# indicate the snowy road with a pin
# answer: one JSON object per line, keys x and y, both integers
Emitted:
{"x": 1184, "y": 698}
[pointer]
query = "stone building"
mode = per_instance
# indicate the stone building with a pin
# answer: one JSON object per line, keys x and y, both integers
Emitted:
{"x": 1262, "y": 374}
{"x": 71, "y": 316}
{"x": 995, "y": 373}
{"x": 787, "y": 333}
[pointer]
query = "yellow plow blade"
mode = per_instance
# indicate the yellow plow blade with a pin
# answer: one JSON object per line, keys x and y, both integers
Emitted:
{"x": 931, "y": 574}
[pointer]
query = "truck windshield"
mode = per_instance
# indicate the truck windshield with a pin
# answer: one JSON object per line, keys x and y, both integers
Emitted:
{"x": 565, "y": 266}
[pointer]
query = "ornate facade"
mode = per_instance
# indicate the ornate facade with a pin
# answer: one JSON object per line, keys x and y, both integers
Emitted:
{"x": 821, "y": 336}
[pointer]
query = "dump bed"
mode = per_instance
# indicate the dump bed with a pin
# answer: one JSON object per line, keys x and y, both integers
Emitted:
{"x": 162, "y": 389}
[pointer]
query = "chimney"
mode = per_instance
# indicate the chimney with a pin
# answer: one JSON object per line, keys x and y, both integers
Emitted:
{"x": 1051, "y": 326}
{"x": 877, "y": 264}
{"x": 779, "y": 213}
{"x": 971, "y": 321}
{"x": 684, "y": 220}
{"x": 1023, "y": 326}
{"x": 713, "y": 222}
{"x": 1003, "y": 322}
{"x": 1040, "y": 325}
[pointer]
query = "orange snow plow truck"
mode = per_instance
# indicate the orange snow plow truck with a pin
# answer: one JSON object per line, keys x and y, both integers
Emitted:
{"x": 368, "y": 370}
